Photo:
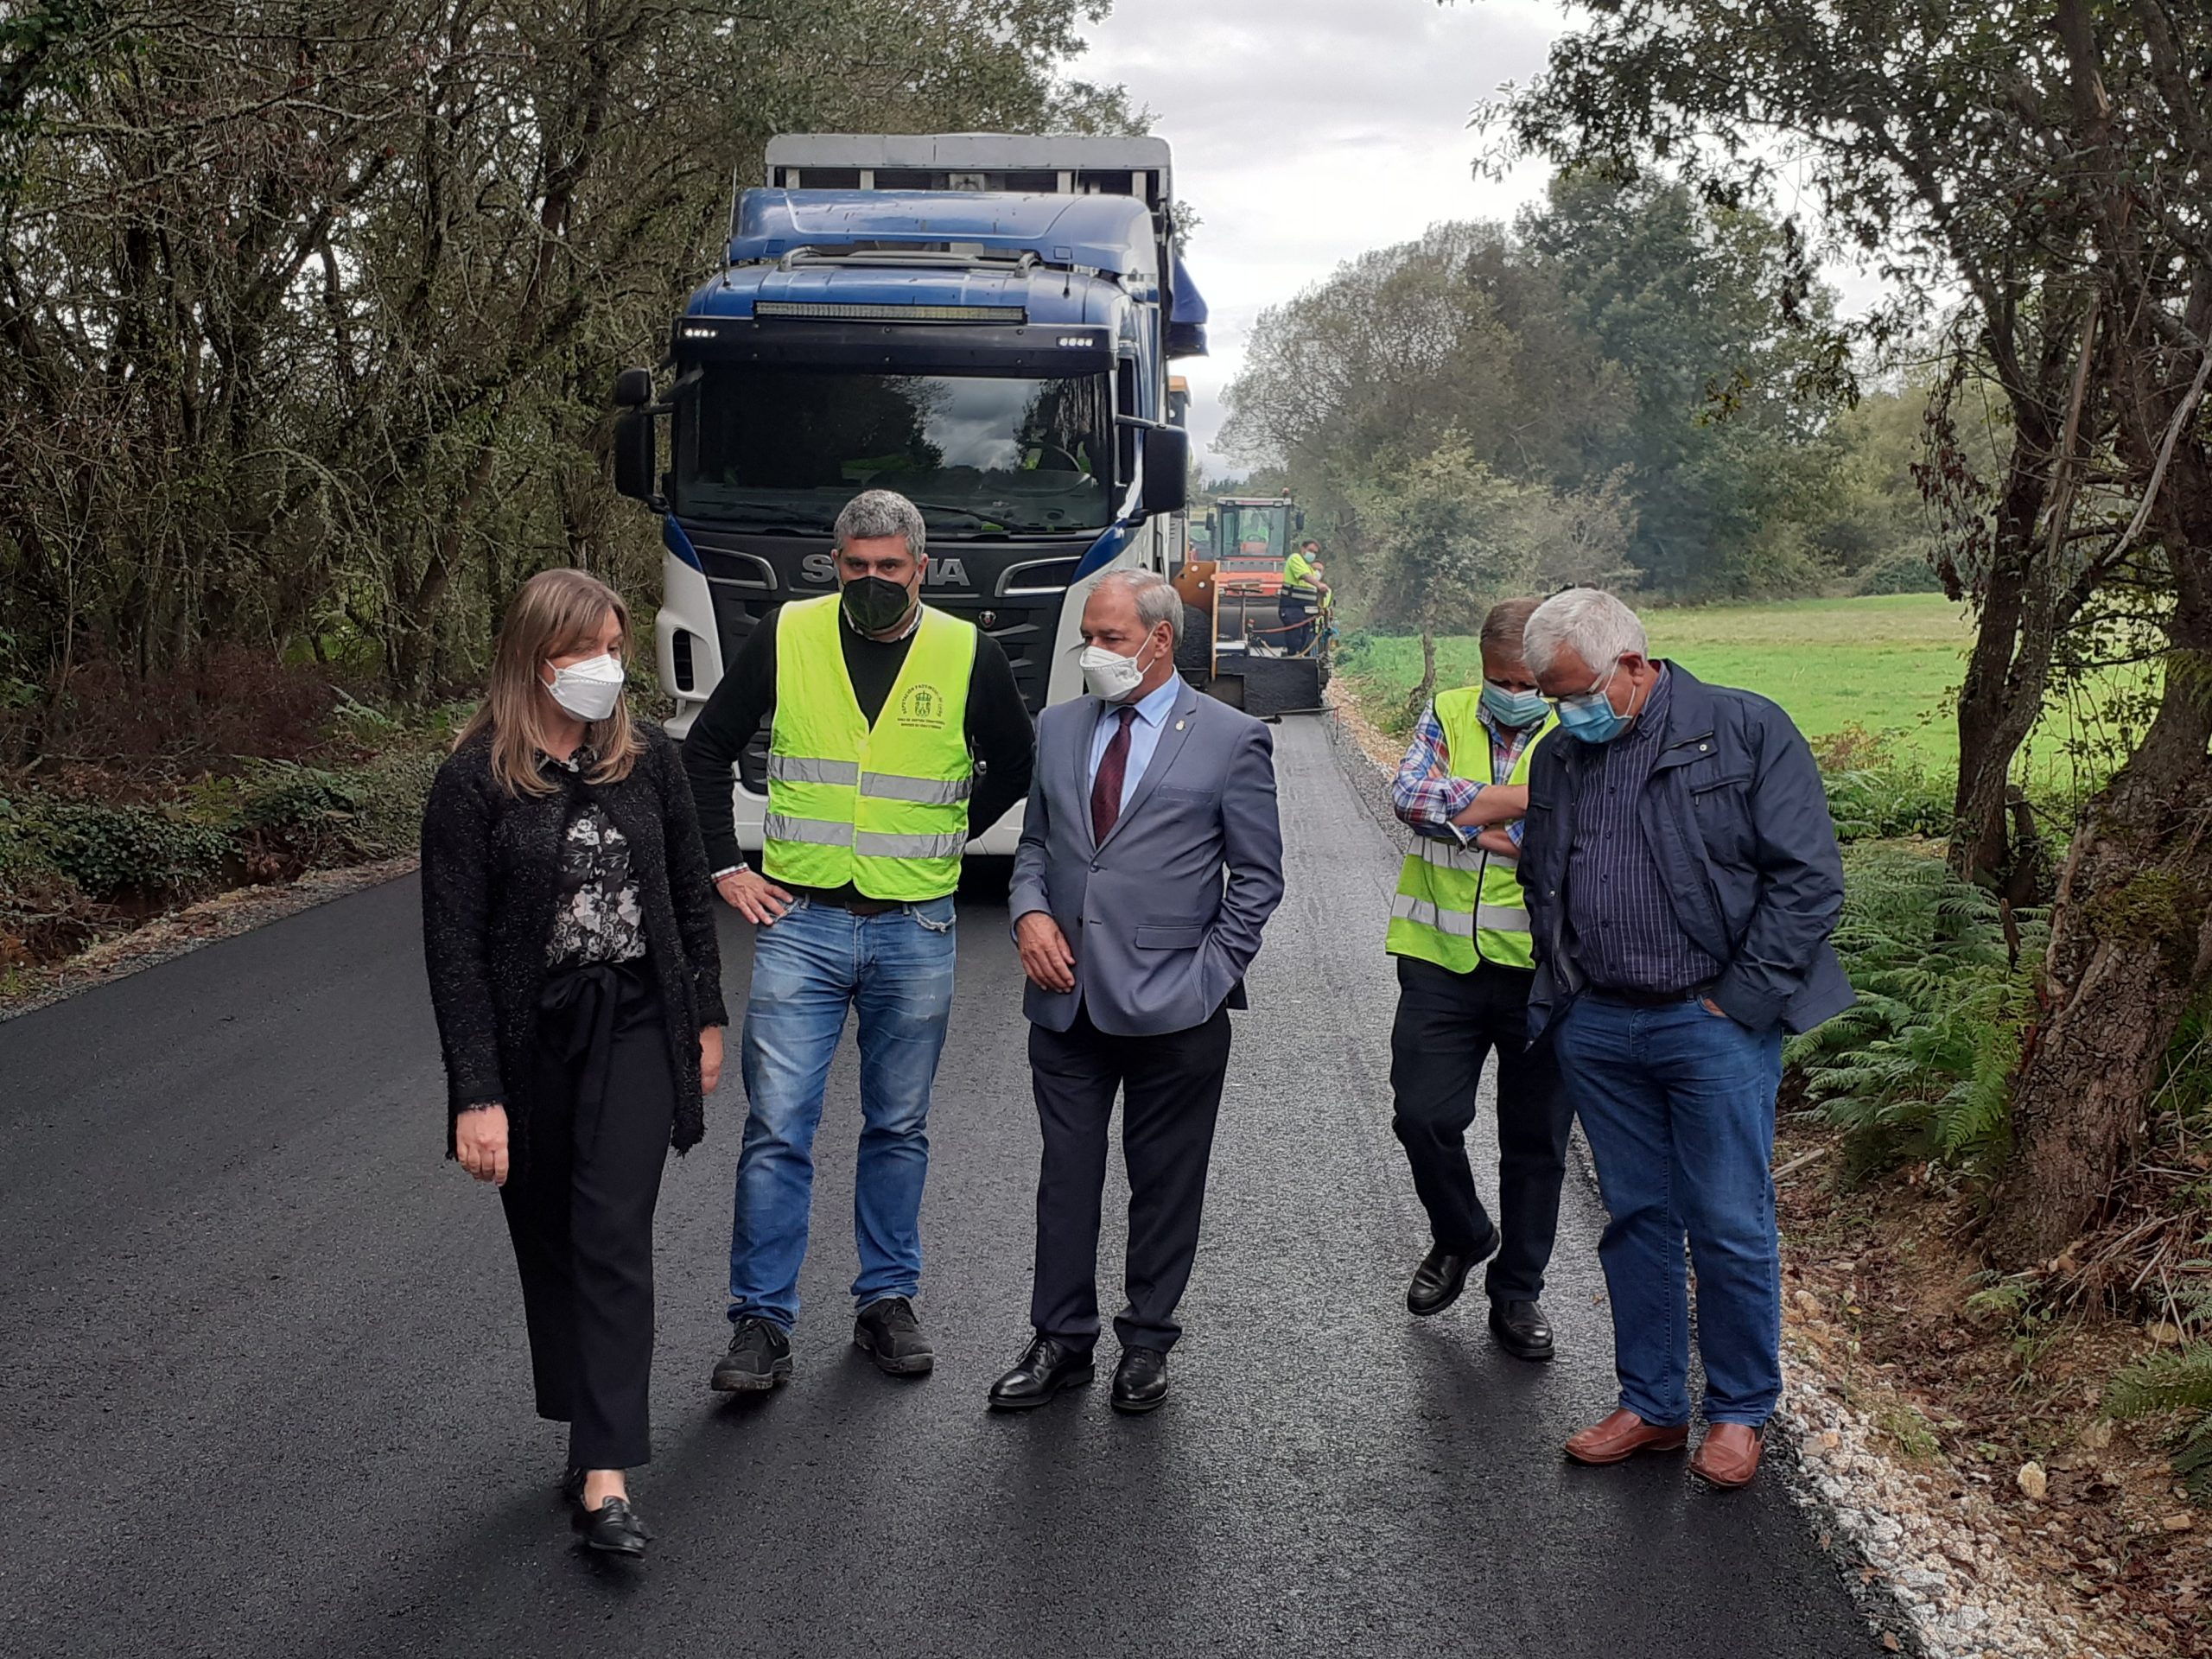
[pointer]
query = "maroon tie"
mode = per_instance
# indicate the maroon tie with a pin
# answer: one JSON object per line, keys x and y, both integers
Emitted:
{"x": 1106, "y": 788}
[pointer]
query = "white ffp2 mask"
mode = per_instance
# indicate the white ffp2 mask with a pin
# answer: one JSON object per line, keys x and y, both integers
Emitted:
{"x": 589, "y": 690}
{"x": 1109, "y": 675}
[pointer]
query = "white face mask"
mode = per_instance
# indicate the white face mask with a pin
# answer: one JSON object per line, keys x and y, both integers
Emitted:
{"x": 589, "y": 690}
{"x": 1109, "y": 675}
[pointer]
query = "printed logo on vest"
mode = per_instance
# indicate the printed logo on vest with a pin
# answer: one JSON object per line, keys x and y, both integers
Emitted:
{"x": 923, "y": 707}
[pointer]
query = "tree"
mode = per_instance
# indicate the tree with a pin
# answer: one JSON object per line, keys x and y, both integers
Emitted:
{"x": 1448, "y": 537}
{"x": 2048, "y": 160}
{"x": 308, "y": 311}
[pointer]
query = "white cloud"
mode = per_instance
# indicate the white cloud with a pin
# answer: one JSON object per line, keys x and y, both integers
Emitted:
{"x": 1308, "y": 131}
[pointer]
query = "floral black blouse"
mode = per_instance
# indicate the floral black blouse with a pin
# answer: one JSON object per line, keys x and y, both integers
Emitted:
{"x": 598, "y": 918}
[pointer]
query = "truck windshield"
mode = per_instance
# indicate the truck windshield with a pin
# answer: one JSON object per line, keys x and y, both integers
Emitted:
{"x": 783, "y": 449}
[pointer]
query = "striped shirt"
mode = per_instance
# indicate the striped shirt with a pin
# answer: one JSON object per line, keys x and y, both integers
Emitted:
{"x": 1620, "y": 919}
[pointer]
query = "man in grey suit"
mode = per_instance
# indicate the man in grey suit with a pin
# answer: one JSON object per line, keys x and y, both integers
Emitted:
{"x": 1150, "y": 859}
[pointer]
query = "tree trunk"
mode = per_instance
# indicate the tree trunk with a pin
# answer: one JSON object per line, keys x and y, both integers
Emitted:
{"x": 2131, "y": 944}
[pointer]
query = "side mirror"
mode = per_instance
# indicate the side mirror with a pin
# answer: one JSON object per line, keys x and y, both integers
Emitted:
{"x": 633, "y": 453}
{"x": 1166, "y": 469}
{"x": 1297, "y": 519}
{"x": 633, "y": 388}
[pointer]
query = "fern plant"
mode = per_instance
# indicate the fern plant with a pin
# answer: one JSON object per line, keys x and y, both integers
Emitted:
{"x": 1922, "y": 1067}
{"x": 2174, "y": 1382}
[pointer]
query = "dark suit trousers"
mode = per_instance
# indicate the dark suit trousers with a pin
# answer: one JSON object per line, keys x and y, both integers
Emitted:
{"x": 1171, "y": 1087}
{"x": 579, "y": 1211}
{"x": 1447, "y": 1024}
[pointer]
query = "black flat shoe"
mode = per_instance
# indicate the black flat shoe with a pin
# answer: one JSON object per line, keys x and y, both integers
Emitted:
{"x": 613, "y": 1529}
{"x": 1045, "y": 1367}
{"x": 1140, "y": 1380}
{"x": 1522, "y": 1329}
{"x": 1442, "y": 1275}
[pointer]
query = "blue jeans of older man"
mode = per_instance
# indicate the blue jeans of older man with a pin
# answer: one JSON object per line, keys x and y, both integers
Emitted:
{"x": 894, "y": 971}
{"x": 1678, "y": 1104}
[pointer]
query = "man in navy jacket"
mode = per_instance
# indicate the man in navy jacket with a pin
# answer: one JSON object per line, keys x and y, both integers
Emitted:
{"x": 1683, "y": 878}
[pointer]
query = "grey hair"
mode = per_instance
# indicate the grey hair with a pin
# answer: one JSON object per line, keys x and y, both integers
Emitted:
{"x": 881, "y": 512}
{"x": 1157, "y": 601}
{"x": 1590, "y": 622}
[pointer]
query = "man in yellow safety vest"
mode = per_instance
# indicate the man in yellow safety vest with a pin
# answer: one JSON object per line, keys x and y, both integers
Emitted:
{"x": 1459, "y": 930}
{"x": 896, "y": 733}
{"x": 1303, "y": 592}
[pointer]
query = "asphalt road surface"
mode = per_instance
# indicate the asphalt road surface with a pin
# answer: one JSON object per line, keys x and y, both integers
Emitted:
{"x": 263, "y": 1385}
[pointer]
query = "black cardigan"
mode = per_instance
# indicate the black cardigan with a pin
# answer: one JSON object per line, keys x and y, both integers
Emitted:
{"x": 491, "y": 883}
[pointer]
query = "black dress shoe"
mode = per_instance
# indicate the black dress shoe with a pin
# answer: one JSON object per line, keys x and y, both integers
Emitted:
{"x": 1045, "y": 1367}
{"x": 1140, "y": 1380}
{"x": 1442, "y": 1275}
{"x": 612, "y": 1528}
{"x": 1522, "y": 1329}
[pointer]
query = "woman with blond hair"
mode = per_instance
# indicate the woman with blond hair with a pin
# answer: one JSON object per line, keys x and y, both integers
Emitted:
{"x": 566, "y": 920}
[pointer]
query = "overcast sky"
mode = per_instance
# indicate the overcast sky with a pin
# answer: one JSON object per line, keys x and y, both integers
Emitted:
{"x": 1307, "y": 132}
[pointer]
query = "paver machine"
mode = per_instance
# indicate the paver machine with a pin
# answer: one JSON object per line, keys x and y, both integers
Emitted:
{"x": 1234, "y": 643}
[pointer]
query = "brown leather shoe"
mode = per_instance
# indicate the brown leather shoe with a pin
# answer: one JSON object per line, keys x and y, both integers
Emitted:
{"x": 1728, "y": 1456}
{"x": 1623, "y": 1434}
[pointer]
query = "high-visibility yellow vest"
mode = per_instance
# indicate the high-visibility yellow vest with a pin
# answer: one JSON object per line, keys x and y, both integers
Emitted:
{"x": 1298, "y": 579}
{"x": 884, "y": 807}
{"x": 1460, "y": 906}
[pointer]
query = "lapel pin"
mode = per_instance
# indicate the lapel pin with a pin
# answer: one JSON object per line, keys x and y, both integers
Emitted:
{"x": 1180, "y": 725}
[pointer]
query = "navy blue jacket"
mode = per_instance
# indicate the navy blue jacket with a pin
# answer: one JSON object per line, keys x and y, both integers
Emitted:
{"x": 1735, "y": 815}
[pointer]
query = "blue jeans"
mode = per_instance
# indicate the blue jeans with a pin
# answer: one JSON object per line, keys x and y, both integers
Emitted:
{"x": 895, "y": 970}
{"x": 1678, "y": 1103}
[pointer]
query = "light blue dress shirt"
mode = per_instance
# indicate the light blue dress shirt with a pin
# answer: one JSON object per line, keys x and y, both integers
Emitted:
{"x": 1144, "y": 734}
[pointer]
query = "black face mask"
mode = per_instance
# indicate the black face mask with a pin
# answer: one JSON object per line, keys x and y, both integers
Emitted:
{"x": 872, "y": 605}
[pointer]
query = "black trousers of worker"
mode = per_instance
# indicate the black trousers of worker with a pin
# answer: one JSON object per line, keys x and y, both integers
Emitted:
{"x": 1171, "y": 1089}
{"x": 1298, "y": 626}
{"x": 1447, "y": 1024}
{"x": 580, "y": 1208}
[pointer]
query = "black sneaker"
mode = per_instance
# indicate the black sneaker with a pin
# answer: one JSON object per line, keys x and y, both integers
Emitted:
{"x": 760, "y": 1357}
{"x": 893, "y": 1339}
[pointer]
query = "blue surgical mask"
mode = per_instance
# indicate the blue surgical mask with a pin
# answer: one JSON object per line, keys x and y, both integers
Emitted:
{"x": 1590, "y": 716}
{"x": 1518, "y": 710}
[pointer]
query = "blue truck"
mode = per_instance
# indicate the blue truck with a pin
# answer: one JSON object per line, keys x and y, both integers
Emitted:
{"x": 982, "y": 322}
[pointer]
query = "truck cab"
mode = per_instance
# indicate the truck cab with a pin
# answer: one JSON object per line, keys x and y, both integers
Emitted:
{"x": 981, "y": 323}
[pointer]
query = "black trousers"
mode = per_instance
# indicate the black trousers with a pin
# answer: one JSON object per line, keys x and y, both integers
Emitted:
{"x": 1446, "y": 1025}
{"x": 1170, "y": 1088}
{"x": 580, "y": 1209}
{"x": 1298, "y": 623}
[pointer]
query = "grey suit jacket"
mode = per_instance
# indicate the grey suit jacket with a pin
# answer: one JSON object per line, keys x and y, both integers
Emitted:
{"x": 1163, "y": 916}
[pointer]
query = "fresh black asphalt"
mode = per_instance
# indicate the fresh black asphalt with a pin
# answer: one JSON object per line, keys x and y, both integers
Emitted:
{"x": 262, "y": 1388}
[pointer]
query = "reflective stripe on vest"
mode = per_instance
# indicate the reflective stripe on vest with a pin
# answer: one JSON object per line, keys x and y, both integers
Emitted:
{"x": 884, "y": 807}
{"x": 1458, "y": 907}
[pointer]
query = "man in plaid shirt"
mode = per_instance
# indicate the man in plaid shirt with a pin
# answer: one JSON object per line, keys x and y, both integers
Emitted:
{"x": 1465, "y": 961}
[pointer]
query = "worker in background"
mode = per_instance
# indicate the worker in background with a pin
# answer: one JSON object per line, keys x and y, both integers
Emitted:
{"x": 1459, "y": 930}
{"x": 1303, "y": 591}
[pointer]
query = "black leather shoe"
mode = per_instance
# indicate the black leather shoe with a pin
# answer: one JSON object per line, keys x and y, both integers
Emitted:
{"x": 613, "y": 1529}
{"x": 1522, "y": 1329}
{"x": 890, "y": 1334}
{"x": 1140, "y": 1380}
{"x": 1442, "y": 1275}
{"x": 1045, "y": 1367}
{"x": 760, "y": 1357}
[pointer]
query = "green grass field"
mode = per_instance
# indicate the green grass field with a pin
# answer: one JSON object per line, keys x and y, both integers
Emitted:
{"x": 1892, "y": 665}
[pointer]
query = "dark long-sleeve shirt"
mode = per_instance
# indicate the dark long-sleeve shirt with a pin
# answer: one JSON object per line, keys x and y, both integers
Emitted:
{"x": 1001, "y": 735}
{"x": 1626, "y": 935}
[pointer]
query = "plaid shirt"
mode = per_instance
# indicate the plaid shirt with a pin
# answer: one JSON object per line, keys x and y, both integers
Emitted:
{"x": 1427, "y": 797}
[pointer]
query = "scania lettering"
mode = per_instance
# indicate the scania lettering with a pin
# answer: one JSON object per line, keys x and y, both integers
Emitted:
{"x": 983, "y": 323}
